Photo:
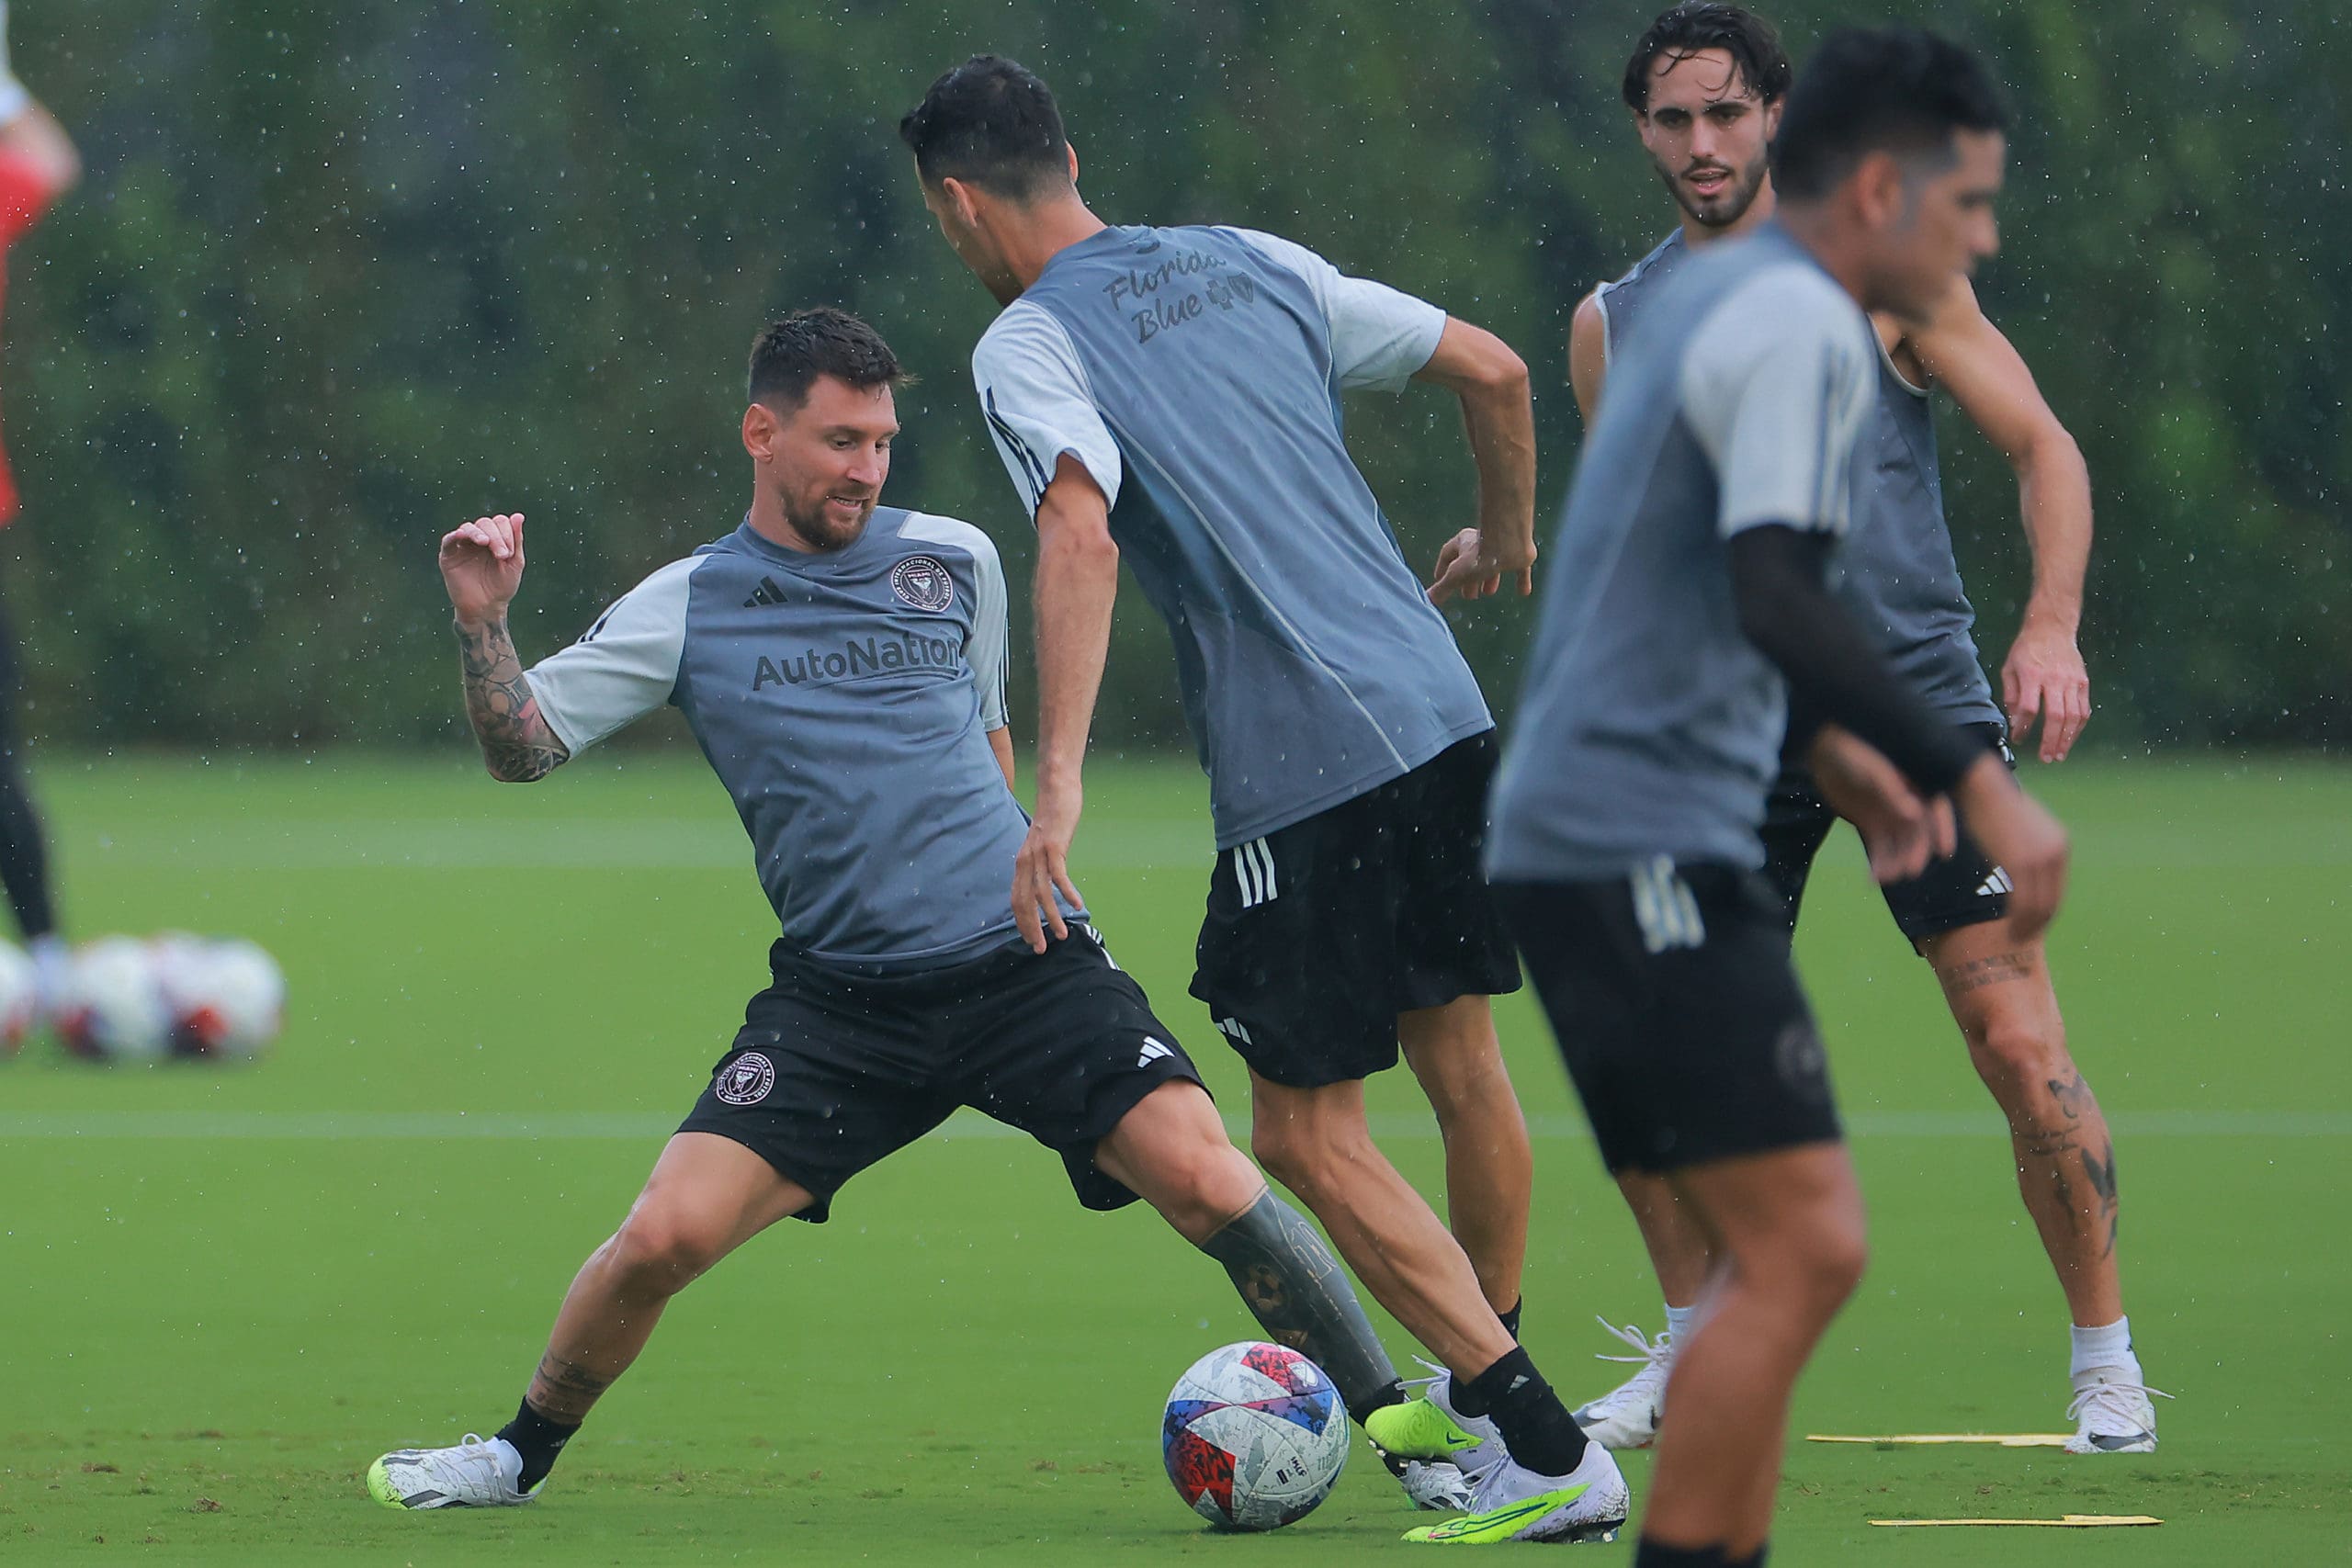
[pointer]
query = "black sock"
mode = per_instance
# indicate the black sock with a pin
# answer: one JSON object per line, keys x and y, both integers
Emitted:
{"x": 539, "y": 1440}
{"x": 1650, "y": 1554}
{"x": 1536, "y": 1426}
{"x": 1510, "y": 1318}
{"x": 1393, "y": 1394}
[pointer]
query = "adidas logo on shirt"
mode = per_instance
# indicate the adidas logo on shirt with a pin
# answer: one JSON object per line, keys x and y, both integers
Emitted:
{"x": 1997, "y": 882}
{"x": 767, "y": 592}
{"x": 1152, "y": 1051}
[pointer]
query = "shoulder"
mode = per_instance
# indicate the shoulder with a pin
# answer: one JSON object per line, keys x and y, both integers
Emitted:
{"x": 1591, "y": 314}
{"x": 1024, "y": 339}
{"x": 1286, "y": 252}
{"x": 1784, "y": 310}
{"x": 949, "y": 533}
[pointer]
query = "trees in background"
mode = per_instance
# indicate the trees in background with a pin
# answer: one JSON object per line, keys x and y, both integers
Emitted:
{"x": 340, "y": 276}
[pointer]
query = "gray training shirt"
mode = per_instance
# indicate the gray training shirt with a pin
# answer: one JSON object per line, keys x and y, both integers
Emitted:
{"x": 1197, "y": 373}
{"x": 1899, "y": 575}
{"x": 845, "y": 701}
{"x": 1650, "y": 726}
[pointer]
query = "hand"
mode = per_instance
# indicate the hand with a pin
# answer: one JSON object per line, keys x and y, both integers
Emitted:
{"x": 481, "y": 566}
{"x": 1041, "y": 868}
{"x": 1901, "y": 832}
{"x": 2043, "y": 678}
{"x": 1468, "y": 567}
{"x": 2021, "y": 838}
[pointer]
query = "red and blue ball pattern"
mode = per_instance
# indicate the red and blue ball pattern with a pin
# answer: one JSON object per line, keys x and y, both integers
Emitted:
{"x": 1254, "y": 1437}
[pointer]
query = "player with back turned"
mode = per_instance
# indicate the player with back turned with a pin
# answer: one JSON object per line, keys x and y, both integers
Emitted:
{"x": 1171, "y": 397}
{"x": 1705, "y": 86}
{"x": 841, "y": 665}
{"x": 1688, "y": 629}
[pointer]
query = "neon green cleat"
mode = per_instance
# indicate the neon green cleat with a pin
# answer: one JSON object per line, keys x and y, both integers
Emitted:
{"x": 1417, "y": 1429}
{"x": 1591, "y": 1503}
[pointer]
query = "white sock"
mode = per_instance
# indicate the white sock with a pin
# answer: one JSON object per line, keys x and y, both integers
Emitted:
{"x": 1680, "y": 1321}
{"x": 51, "y": 961}
{"x": 2107, "y": 1347}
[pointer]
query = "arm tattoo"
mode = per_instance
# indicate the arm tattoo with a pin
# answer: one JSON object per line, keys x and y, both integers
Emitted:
{"x": 516, "y": 743}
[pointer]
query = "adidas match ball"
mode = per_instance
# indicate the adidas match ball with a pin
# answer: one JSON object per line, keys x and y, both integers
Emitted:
{"x": 1254, "y": 1437}
{"x": 110, "y": 1005}
{"x": 19, "y": 999}
{"x": 225, "y": 999}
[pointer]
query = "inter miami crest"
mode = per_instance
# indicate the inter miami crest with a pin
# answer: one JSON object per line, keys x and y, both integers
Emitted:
{"x": 922, "y": 581}
{"x": 746, "y": 1080}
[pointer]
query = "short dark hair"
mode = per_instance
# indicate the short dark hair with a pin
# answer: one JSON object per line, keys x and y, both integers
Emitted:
{"x": 792, "y": 351}
{"x": 1900, "y": 90}
{"x": 992, "y": 123}
{"x": 1695, "y": 25}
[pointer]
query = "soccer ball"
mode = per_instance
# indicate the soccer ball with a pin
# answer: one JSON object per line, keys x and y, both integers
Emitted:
{"x": 19, "y": 999}
{"x": 225, "y": 999}
{"x": 1254, "y": 1437}
{"x": 110, "y": 1004}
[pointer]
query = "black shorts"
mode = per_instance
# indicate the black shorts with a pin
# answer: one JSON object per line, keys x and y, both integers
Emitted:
{"x": 1678, "y": 1014}
{"x": 1320, "y": 933}
{"x": 1965, "y": 889}
{"x": 833, "y": 1071}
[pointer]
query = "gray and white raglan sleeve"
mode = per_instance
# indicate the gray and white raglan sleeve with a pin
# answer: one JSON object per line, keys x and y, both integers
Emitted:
{"x": 1777, "y": 384}
{"x": 623, "y": 667}
{"x": 1380, "y": 335}
{"x": 985, "y": 648}
{"x": 1035, "y": 395}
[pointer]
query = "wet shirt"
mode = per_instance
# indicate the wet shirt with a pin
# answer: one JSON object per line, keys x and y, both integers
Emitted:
{"x": 1196, "y": 374}
{"x": 1898, "y": 573}
{"x": 845, "y": 701}
{"x": 1649, "y": 725}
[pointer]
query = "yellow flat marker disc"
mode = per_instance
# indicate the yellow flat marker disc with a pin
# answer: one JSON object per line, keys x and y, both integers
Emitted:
{"x": 2072, "y": 1521}
{"x": 1924, "y": 1440}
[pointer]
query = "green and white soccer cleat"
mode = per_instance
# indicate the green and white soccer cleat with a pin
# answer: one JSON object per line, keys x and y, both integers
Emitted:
{"x": 2114, "y": 1413}
{"x": 1627, "y": 1415}
{"x": 473, "y": 1474}
{"x": 1424, "y": 1447}
{"x": 1514, "y": 1503}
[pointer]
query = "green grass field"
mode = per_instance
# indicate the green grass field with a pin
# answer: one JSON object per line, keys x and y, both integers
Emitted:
{"x": 223, "y": 1292}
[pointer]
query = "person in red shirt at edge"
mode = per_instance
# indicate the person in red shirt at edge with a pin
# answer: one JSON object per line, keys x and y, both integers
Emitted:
{"x": 37, "y": 164}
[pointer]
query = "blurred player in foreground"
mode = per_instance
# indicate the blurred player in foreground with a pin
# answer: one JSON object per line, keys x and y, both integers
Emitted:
{"x": 1171, "y": 397}
{"x": 1705, "y": 86}
{"x": 842, "y": 664}
{"x": 1689, "y": 628}
{"x": 37, "y": 164}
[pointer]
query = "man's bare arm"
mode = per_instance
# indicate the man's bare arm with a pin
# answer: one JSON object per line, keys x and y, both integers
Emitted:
{"x": 1000, "y": 742}
{"x": 1588, "y": 355}
{"x": 517, "y": 745}
{"x": 2043, "y": 676}
{"x": 481, "y": 566}
{"x": 1498, "y": 416}
{"x": 1076, "y": 584}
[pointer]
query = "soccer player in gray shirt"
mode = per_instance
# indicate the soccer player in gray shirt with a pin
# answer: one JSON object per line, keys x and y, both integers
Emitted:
{"x": 1688, "y": 633}
{"x": 841, "y": 664}
{"x": 1705, "y": 86}
{"x": 1171, "y": 397}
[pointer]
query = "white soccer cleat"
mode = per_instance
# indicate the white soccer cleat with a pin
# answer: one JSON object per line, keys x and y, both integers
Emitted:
{"x": 2113, "y": 1413}
{"x": 1514, "y": 1503}
{"x": 1436, "y": 1486}
{"x": 1627, "y": 1415}
{"x": 474, "y": 1474}
{"x": 1490, "y": 1450}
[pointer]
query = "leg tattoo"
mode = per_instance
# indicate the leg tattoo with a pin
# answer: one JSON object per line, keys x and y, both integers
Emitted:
{"x": 1298, "y": 1294}
{"x": 564, "y": 1391}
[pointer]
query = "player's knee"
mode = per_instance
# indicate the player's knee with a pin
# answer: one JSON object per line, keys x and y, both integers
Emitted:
{"x": 1204, "y": 1187}
{"x": 660, "y": 1254}
{"x": 2013, "y": 1052}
